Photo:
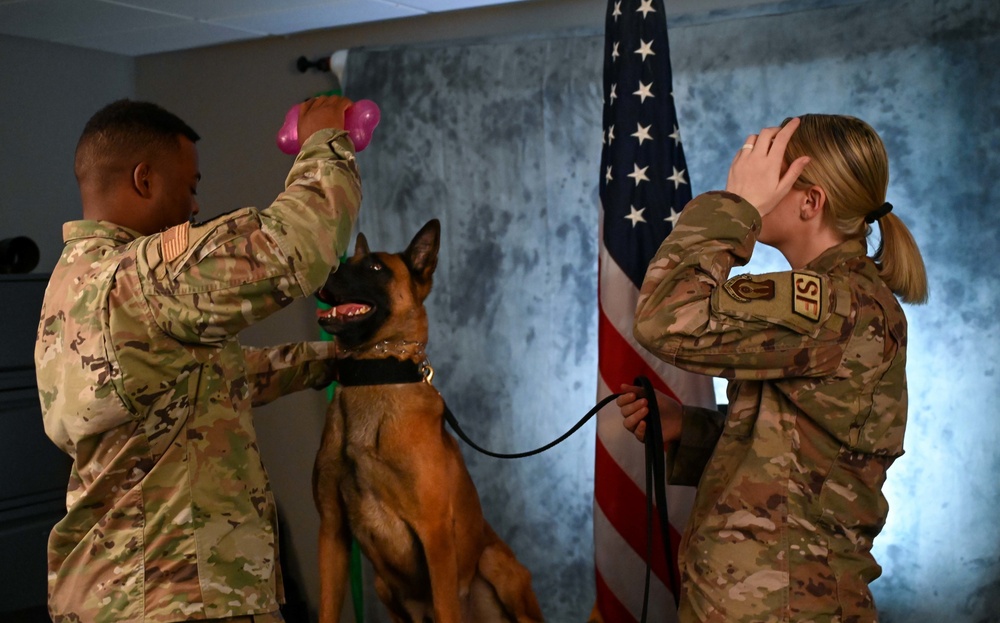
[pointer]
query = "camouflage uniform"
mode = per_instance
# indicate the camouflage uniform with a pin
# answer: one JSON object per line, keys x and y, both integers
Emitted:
{"x": 143, "y": 382}
{"x": 790, "y": 500}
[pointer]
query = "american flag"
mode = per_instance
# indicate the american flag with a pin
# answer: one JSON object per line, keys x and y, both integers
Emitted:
{"x": 643, "y": 186}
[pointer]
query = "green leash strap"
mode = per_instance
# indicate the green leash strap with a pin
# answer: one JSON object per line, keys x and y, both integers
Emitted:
{"x": 357, "y": 588}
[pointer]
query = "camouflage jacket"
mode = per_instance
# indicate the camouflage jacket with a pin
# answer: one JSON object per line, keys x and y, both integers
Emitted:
{"x": 144, "y": 384}
{"x": 790, "y": 500}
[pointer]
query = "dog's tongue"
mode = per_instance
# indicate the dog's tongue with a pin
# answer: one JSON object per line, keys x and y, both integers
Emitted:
{"x": 347, "y": 309}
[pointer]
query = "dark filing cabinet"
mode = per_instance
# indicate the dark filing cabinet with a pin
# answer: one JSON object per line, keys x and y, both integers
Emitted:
{"x": 33, "y": 472}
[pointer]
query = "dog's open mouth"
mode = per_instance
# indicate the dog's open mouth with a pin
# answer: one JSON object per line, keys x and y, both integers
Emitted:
{"x": 345, "y": 312}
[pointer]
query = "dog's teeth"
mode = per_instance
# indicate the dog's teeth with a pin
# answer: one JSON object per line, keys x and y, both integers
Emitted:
{"x": 347, "y": 310}
{"x": 326, "y": 314}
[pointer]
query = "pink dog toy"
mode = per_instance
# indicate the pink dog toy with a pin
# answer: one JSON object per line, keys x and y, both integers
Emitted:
{"x": 360, "y": 120}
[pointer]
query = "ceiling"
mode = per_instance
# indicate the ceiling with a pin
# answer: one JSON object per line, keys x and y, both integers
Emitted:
{"x": 138, "y": 27}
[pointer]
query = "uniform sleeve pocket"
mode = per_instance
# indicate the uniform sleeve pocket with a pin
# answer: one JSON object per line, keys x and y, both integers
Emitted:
{"x": 225, "y": 252}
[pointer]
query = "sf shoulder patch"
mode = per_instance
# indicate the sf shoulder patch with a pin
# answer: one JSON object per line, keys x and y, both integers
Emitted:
{"x": 807, "y": 295}
{"x": 174, "y": 241}
{"x": 746, "y": 288}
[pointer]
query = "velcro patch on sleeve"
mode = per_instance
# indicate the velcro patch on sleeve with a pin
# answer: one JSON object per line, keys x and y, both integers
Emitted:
{"x": 746, "y": 288}
{"x": 174, "y": 241}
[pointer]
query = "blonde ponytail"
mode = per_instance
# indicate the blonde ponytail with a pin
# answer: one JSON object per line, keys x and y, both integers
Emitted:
{"x": 848, "y": 160}
{"x": 899, "y": 261}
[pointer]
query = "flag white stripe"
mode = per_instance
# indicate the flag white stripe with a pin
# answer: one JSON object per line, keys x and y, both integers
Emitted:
{"x": 624, "y": 572}
{"x": 618, "y": 297}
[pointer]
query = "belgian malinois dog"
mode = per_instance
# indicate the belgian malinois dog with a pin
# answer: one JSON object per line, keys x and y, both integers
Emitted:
{"x": 388, "y": 472}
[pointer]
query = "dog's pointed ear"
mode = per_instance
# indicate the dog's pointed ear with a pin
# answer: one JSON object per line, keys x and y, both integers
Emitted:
{"x": 421, "y": 256}
{"x": 361, "y": 246}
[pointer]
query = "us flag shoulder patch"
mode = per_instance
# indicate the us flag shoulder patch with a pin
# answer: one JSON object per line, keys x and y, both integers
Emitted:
{"x": 174, "y": 241}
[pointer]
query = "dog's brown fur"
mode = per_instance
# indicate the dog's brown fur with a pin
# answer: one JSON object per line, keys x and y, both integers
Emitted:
{"x": 390, "y": 475}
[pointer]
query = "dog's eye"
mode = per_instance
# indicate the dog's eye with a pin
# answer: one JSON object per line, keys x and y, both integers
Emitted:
{"x": 376, "y": 266}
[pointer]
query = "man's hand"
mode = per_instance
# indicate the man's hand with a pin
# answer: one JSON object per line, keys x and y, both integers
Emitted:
{"x": 320, "y": 113}
{"x": 331, "y": 369}
{"x": 635, "y": 408}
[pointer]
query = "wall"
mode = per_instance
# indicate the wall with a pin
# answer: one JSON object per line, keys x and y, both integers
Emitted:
{"x": 49, "y": 91}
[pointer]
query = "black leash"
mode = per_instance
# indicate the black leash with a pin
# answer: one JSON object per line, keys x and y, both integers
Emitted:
{"x": 450, "y": 418}
{"x": 656, "y": 484}
{"x": 355, "y": 372}
{"x": 656, "y": 480}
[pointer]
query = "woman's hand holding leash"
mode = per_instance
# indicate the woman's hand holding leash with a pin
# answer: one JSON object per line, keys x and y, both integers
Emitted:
{"x": 635, "y": 408}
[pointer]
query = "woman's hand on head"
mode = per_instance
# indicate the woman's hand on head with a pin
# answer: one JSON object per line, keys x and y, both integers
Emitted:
{"x": 635, "y": 407}
{"x": 756, "y": 172}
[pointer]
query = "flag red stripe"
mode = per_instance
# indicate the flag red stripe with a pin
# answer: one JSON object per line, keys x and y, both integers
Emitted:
{"x": 636, "y": 215}
{"x": 620, "y": 498}
{"x": 618, "y": 363}
{"x": 612, "y": 610}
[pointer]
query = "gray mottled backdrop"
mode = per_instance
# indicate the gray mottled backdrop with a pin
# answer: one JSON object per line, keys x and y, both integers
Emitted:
{"x": 500, "y": 140}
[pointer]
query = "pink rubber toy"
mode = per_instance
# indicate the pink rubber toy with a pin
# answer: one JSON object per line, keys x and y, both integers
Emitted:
{"x": 360, "y": 120}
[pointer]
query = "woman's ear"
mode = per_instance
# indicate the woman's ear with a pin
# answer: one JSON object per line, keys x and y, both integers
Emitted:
{"x": 141, "y": 182}
{"x": 813, "y": 204}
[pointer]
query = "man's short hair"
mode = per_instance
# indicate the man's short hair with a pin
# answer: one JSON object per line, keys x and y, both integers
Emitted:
{"x": 125, "y": 132}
